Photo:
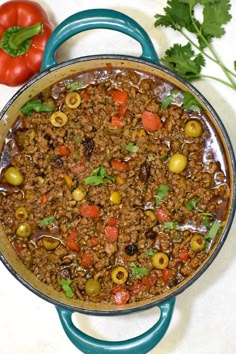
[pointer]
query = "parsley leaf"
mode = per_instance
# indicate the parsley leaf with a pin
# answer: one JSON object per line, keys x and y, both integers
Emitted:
{"x": 131, "y": 147}
{"x": 138, "y": 272}
{"x": 37, "y": 106}
{"x": 199, "y": 32}
{"x": 65, "y": 284}
{"x": 162, "y": 192}
{"x": 191, "y": 204}
{"x": 99, "y": 176}
{"x": 46, "y": 221}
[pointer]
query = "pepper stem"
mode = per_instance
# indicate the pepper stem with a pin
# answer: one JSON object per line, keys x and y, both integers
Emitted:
{"x": 17, "y": 40}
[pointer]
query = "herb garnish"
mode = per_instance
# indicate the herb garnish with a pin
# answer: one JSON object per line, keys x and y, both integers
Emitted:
{"x": 37, "y": 106}
{"x": 65, "y": 284}
{"x": 182, "y": 16}
{"x": 99, "y": 176}
{"x": 190, "y": 103}
{"x": 162, "y": 192}
{"x": 170, "y": 225}
{"x": 150, "y": 252}
{"x": 150, "y": 158}
{"x": 214, "y": 229}
{"x": 72, "y": 86}
{"x": 138, "y": 272}
{"x": 192, "y": 204}
{"x": 131, "y": 147}
{"x": 46, "y": 221}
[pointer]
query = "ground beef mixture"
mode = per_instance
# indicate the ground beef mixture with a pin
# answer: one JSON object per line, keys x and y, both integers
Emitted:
{"x": 112, "y": 188}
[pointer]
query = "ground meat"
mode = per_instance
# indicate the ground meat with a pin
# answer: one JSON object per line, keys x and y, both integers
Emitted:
{"x": 100, "y": 201}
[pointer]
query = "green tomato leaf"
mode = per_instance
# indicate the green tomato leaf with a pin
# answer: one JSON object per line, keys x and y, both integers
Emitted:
{"x": 162, "y": 192}
{"x": 131, "y": 147}
{"x": 46, "y": 221}
{"x": 99, "y": 176}
{"x": 37, "y": 106}
{"x": 65, "y": 284}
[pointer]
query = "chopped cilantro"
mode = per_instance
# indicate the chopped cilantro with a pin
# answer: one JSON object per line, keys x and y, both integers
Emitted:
{"x": 170, "y": 225}
{"x": 214, "y": 229}
{"x": 65, "y": 284}
{"x": 169, "y": 99}
{"x": 150, "y": 158}
{"x": 131, "y": 147}
{"x": 162, "y": 192}
{"x": 46, "y": 221}
{"x": 37, "y": 106}
{"x": 138, "y": 272}
{"x": 99, "y": 176}
{"x": 150, "y": 252}
{"x": 191, "y": 204}
{"x": 72, "y": 86}
{"x": 190, "y": 103}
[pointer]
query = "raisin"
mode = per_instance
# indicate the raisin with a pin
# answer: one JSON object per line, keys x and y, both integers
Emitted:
{"x": 144, "y": 172}
{"x": 150, "y": 233}
{"x": 88, "y": 144}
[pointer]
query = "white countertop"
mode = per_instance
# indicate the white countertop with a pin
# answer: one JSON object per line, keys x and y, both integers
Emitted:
{"x": 204, "y": 319}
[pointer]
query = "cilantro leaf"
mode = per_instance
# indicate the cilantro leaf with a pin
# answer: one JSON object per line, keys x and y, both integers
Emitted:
{"x": 46, "y": 221}
{"x": 191, "y": 204}
{"x": 150, "y": 252}
{"x": 214, "y": 229}
{"x": 99, "y": 176}
{"x": 190, "y": 103}
{"x": 65, "y": 284}
{"x": 170, "y": 225}
{"x": 162, "y": 192}
{"x": 131, "y": 147}
{"x": 150, "y": 158}
{"x": 72, "y": 86}
{"x": 37, "y": 106}
{"x": 138, "y": 272}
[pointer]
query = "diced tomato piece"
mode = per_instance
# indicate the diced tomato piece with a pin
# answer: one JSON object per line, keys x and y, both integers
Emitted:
{"x": 94, "y": 241}
{"x": 44, "y": 199}
{"x": 166, "y": 273}
{"x": 89, "y": 211}
{"x": 122, "y": 297}
{"x": 85, "y": 95}
{"x": 116, "y": 122}
{"x": 63, "y": 151}
{"x": 87, "y": 260}
{"x": 183, "y": 256}
{"x": 120, "y": 165}
{"x": 122, "y": 110}
{"x": 136, "y": 287}
{"x": 149, "y": 280}
{"x": 111, "y": 233}
{"x": 71, "y": 241}
{"x": 151, "y": 121}
{"x": 120, "y": 97}
{"x": 112, "y": 221}
{"x": 162, "y": 215}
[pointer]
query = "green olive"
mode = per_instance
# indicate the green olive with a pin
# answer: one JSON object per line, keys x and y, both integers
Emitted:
{"x": 24, "y": 230}
{"x": 92, "y": 287}
{"x": 177, "y": 163}
{"x": 119, "y": 275}
{"x": 193, "y": 128}
{"x": 197, "y": 243}
{"x": 21, "y": 213}
{"x": 58, "y": 119}
{"x": 50, "y": 243}
{"x": 78, "y": 193}
{"x": 72, "y": 100}
{"x": 160, "y": 260}
{"x": 13, "y": 176}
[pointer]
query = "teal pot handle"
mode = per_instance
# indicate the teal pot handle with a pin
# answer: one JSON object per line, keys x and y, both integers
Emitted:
{"x": 94, "y": 19}
{"x": 141, "y": 344}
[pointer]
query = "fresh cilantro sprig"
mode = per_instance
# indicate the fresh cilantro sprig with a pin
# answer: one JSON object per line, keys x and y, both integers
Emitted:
{"x": 138, "y": 272}
{"x": 65, "y": 284}
{"x": 131, "y": 147}
{"x": 46, "y": 221}
{"x": 162, "y": 192}
{"x": 37, "y": 106}
{"x": 98, "y": 176}
{"x": 72, "y": 86}
{"x": 182, "y": 16}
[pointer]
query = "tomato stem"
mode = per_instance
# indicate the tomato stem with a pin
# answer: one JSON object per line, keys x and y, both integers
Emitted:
{"x": 16, "y": 40}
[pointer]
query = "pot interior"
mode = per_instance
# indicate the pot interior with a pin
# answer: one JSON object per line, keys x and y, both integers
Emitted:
{"x": 60, "y": 72}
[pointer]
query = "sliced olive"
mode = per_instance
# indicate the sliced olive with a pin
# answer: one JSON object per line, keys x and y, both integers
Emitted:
{"x": 73, "y": 100}
{"x": 152, "y": 217}
{"x": 58, "y": 119}
{"x": 24, "y": 230}
{"x": 13, "y": 176}
{"x": 160, "y": 260}
{"x": 21, "y": 213}
{"x": 50, "y": 243}
{"x": 92, "y": 287}
{"x": 198, "y": 243}
{"x": 119, "y": 275}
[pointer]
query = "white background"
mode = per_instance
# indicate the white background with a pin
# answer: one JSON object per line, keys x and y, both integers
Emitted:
{"x": 204, "y": 319}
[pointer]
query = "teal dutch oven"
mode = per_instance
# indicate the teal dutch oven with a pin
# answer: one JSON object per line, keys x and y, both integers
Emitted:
{"x": 52, "y": 72}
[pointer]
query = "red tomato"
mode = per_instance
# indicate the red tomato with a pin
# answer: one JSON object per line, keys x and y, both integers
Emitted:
{"x": 121, "y": 297}
{"x": 112, "y": 221}
{"x": 111, "y": 233}
{"x": 162, "y": 215}
{"x": 184, "y": 256}
{"x": 63, "y": 151}
{"x": 87, "y": 260}
{"x": 94, "y": 241}
{"x": 120, "y": 97}
{"x": 149, "y": 280}
{"x": 71, "y": 241}
{"x": 116, "y": 122}
{"x": 151, "y": 121}
{"x": 89, "y": 211}
{"x": 136, "y": 287}
{"x": 86, "y": 95}
{"x": 44, "y": 199}
{"x": 166, "y": 273}
{"x": 120, "y": 165}
{"x": 122, "y": 110}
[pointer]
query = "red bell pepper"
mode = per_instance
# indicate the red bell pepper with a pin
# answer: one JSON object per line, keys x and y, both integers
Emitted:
{"x": 24, "y": 31}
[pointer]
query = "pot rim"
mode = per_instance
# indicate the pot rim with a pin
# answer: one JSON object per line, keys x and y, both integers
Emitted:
{"x": 179, "y": 289}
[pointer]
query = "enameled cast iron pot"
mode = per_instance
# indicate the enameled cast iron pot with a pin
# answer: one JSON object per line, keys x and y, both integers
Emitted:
{"x": 51, "y": 73}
